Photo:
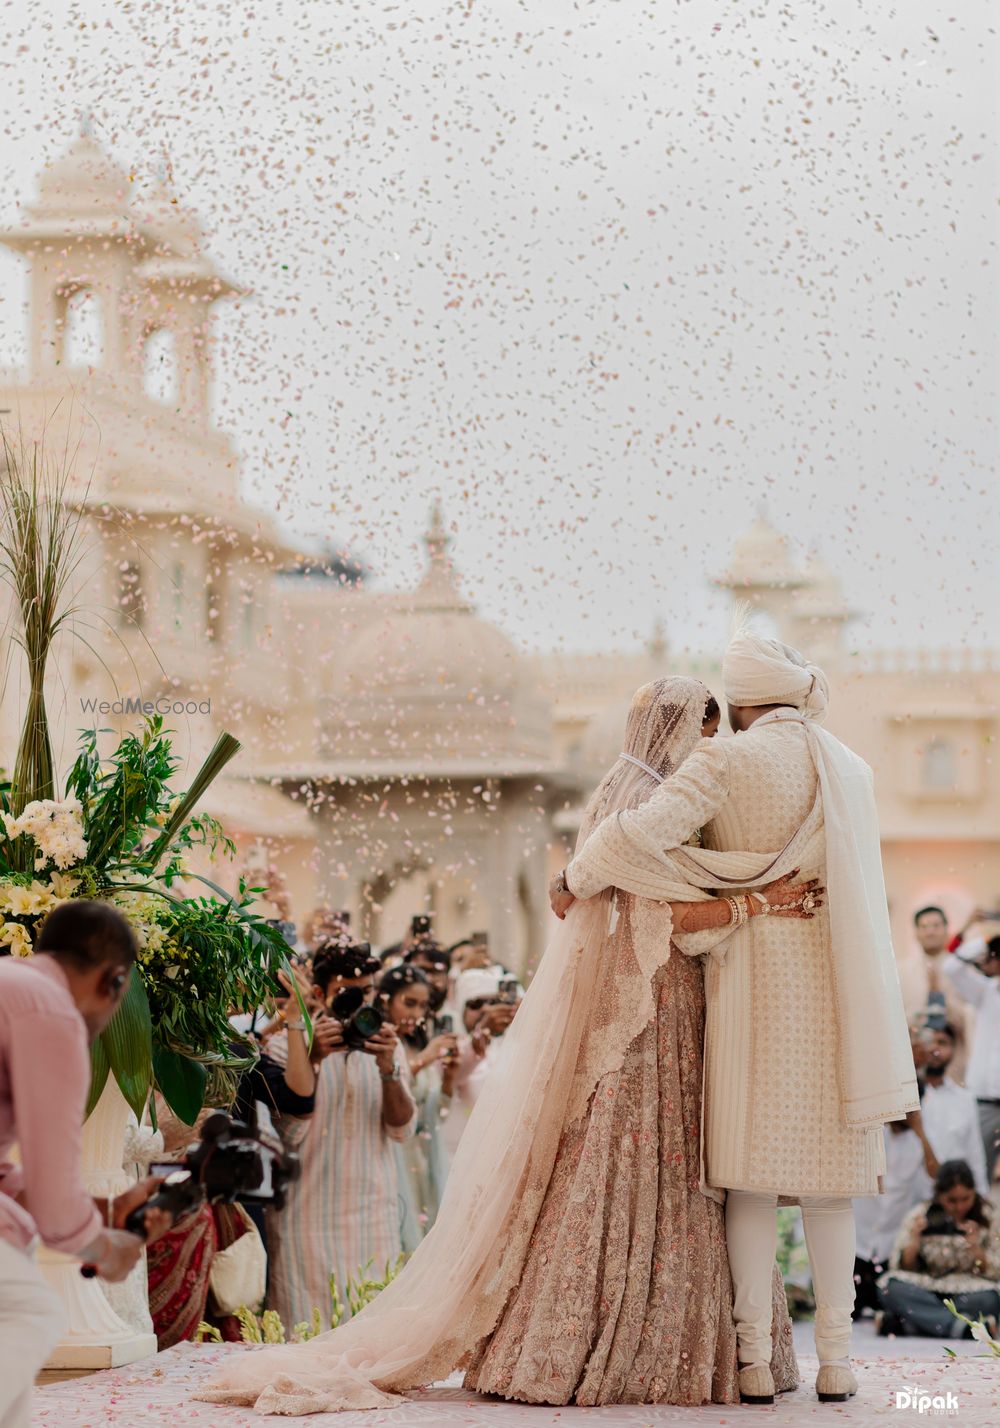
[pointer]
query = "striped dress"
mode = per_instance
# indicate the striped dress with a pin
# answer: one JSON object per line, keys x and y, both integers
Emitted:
{"x": 343, "y": 1213}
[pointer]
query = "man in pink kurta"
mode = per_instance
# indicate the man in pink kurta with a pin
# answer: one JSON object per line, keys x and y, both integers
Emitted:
{"x": 51, "y": 1005}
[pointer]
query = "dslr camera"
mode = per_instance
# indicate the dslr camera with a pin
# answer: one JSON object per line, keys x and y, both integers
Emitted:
{"x": 359, "y": 1019}
{"x": 231, "y": 1162}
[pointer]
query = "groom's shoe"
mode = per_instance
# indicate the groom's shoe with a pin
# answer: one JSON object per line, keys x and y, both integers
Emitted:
{"x": 756, "y": 1384}
{"x": 835, "y": 1383}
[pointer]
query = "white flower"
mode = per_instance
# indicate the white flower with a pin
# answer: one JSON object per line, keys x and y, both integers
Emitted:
{"x": 56, "y": 829}
{"x": 981, "y": 1333}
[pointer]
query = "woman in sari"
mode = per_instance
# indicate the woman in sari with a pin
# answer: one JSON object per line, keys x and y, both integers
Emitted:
{"x": 575, "y": 1258}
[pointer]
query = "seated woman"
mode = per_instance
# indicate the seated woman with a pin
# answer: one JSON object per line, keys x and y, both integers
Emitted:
{"x": 948, "y": 1248}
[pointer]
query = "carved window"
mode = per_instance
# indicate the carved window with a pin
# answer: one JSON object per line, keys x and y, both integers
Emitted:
{"x": 940, "y": 766}
{"x": 159, "y": 367}
{"x": 131, "y": 602}
{"x": 82, "y": 341}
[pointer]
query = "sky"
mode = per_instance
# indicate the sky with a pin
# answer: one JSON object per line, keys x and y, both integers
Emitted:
{"x": 609, "y": 279}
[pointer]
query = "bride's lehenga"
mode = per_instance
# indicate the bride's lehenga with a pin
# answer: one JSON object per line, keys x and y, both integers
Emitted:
{"x": 625, "y": 1295}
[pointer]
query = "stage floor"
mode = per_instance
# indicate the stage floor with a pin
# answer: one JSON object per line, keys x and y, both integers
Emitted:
{"x": 158, "y": 1392}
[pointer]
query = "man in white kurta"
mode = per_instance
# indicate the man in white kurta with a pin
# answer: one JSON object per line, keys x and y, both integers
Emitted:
{"x": 774, "y": 1121}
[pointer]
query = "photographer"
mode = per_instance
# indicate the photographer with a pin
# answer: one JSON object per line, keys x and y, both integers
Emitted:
{"x": 51, "y": 1006}
{"x": 948, "y": 1248}
{"x": 435, "y": 962}
{"x": 486, "y": 1003}
{"x": 342, "y": 1214}
{"x": 407, "y": 997}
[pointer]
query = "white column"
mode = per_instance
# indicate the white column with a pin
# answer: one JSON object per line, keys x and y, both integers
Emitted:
{"x": 99, "y": 1335}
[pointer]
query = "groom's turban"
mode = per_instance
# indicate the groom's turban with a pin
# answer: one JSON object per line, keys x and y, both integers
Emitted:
{"x": 756, "y": 670}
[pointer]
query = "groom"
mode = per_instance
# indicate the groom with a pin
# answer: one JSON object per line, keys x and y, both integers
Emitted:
{"x": 806, "y": 1051}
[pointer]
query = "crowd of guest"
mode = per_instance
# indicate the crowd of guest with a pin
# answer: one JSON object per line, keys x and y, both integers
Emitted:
{"x": 369, "y": 1066}
{"x": 934, "y": 1234}
{"x": 374, "y": 1089}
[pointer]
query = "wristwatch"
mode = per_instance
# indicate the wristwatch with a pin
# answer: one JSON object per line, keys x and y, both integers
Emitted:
{"x": 393, "y": 1075}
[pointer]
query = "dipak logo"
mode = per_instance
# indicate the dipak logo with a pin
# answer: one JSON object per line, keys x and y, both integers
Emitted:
{"x": 918, "y": 1400}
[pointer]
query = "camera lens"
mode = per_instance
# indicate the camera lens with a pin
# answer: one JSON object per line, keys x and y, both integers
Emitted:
{"x": 368, "y": 1021}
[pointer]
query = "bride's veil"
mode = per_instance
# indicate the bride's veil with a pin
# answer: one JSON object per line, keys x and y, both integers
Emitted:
{"x": 590, "y": 997}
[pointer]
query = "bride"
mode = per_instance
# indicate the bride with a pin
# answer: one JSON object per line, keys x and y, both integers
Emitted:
{"x": 575, "y": 1258}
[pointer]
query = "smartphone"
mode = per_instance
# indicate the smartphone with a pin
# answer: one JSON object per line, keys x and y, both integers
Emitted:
{"x": 168, "y": 1169}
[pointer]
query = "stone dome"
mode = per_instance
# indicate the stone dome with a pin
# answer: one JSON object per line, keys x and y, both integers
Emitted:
{"x": 431, "y": 681}
{"x": 761, "y": 558}
{"x": 449, "y": 652}
{"x": 164, "y": 220}
{"x": 83, "y": 182}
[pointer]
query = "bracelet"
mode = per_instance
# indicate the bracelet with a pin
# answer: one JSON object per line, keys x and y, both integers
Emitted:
{"x": 561, "y": 885}
{"x": 739, "y": 912}
{"x": 296, "y": 1025}
{"x": 393, "y": 1075}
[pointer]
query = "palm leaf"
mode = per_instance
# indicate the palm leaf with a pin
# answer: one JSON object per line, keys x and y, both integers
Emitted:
{"x": 128, "y": 1041}
{"x": 100, "y": 1066}
{"x": 182, "y": 1083}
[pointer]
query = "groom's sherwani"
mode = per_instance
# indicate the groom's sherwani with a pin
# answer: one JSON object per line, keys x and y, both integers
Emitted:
{"x": 773, "y": 1117}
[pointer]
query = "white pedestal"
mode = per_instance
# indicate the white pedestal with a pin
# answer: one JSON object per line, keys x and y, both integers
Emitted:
{"x": 99, "y": 1335}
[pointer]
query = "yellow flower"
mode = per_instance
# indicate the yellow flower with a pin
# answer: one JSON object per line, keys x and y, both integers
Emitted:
{"x": 63, "y": 884}
{"x": 28, "y": 902}
{"x": 15, "y": 936}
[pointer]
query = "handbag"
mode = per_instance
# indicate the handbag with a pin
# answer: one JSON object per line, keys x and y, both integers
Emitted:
{"x": 238, "y": 1277}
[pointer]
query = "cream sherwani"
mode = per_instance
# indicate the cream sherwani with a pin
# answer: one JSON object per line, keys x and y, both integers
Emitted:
{"x": 773, "y": 1106}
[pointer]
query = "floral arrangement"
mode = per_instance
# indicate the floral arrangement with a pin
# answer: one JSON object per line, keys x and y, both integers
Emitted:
{"x": 121, "y": 832}
{"x": 124, "y": 834}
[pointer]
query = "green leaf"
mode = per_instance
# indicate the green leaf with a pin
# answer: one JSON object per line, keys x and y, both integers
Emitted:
{"x": 128, "y": 1041}
{"x": 182, "y": 1082}
{"x": 99, "y": 1069}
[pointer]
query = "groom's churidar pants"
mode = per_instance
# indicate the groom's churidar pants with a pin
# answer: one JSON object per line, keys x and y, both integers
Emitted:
{"x": 751, "y": 1233}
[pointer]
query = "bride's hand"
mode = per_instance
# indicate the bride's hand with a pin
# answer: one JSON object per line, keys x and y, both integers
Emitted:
{"x": 788, "y": 898}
